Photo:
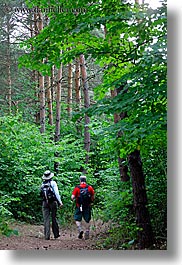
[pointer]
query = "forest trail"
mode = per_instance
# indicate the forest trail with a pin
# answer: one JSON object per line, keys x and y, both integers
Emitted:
{"x": 31, "y": 237}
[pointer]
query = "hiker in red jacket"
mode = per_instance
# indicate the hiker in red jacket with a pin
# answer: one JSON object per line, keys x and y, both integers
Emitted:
{"x": 84, "y": 196}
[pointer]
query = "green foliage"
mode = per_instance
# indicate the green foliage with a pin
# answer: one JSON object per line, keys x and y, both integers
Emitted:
{"x": 5, "y": 228}
{"x": 23, "y": 158}
{"x": 25, "y": 155}
{"x": 156, "y": 181}
{"x": 6, "y": 215}
{"x": 116, "y": 238}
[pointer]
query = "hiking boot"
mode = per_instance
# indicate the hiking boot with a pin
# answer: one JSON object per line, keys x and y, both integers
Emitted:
{"x": 57, "y": 236}
{"x": 86, "y": 235}
{"x": 80, "y": 236}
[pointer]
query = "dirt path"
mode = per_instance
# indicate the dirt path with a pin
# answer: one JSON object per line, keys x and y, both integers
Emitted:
{"x": 31, "y": 237}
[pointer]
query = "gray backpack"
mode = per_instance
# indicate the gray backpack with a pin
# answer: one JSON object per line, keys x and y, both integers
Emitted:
{"x": 47, "y": 192}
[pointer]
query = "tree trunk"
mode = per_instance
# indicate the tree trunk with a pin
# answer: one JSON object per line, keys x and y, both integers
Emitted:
{"x": 52, "y": 82}
{"x": 41, "y": 86}
{"x": 42, "y": 103}
{"x": 9, "y": 81}
{"x": 58, "y": 115}
{"x": 58, "y": 105}
{"x": 78, "y": 95}
{"x": 35, "y": 74}
{"x": 35, "y": 79}
{"x": 77, "y": 85}
{"x": 145, "y": 234}
{"x": 49, "y": 99}
{"x": 123, "y": 169}
{"x": 86, "y": 105}
{"x": 70, "y": 87}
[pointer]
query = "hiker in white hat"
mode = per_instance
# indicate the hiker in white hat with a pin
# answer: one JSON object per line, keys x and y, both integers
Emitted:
{"x": 51, "y": 199}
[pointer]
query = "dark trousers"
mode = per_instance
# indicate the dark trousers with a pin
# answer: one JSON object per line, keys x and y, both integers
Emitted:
{"x": 49, "y": 211}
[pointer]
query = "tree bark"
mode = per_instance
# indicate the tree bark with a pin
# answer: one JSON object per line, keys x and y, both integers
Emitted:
{"x": 41, "y": 86}
{"x": 52, "y": 82}
{"x": 42, "y": 103}
{"x": 86, "y": 105}
{"x": 70, "y": 89}
{"x": 145, "y": 234}
{"x": 49, "y": 99}
{"x": 9, "y": 81}
{"x": 77, "y": 85}
{"x": 58, "y": 105}
{"x": 35, "y": 74}
{"x": 58, "y": 116}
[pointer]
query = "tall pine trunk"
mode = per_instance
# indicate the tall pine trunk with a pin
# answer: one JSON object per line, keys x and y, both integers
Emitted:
{"x": 35, "y": 74}
{"x": 145, "y": 234}
{"x": 41, "y": 86}
{"x": 58, "y": 105}
{"x": 58, "y": 115}
{"x": 77, "y": 84}
{"x": 49, "y": 100}
{"x": 70, "y": 89}
{"x": 78, "y": 95}
{"x": 9, "y": 81}
{"x": 86, "y": 105}
{"x": 42, "y": 103}
{"x": 52, "y": 82}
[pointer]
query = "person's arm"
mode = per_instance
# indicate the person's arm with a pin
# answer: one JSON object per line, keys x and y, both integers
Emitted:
{"x": 74, "y": 194}
{"x": 56, "y": 191}
{"x": 73, "y": 197}
{"x": 92, "y": 193}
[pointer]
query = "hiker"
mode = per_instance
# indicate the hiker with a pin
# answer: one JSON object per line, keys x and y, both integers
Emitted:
{"x": 84, "y": 196}
{"x": 50, "y": 201}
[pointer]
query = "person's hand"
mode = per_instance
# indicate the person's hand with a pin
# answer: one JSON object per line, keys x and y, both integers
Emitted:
{"x": 61, "y": 205}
